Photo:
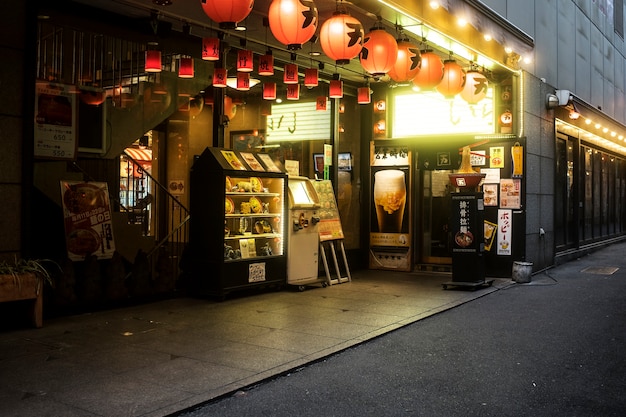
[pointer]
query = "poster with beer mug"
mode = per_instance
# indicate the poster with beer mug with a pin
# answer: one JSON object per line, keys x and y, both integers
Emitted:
{"x": 390, "y": 222}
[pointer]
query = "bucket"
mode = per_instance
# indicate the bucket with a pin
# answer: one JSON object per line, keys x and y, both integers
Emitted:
{"x": 522, "y": 271}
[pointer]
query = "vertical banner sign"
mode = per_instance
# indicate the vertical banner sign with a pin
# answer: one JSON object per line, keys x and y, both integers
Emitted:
{"x": 505, "y": 231}
{"x": 328, "y": 160}
{"x": 55, "y": 121}
{"x": 88, "y": 224}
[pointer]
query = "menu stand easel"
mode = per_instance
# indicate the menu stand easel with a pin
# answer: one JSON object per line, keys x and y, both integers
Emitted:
{"x": 331, "y": 244}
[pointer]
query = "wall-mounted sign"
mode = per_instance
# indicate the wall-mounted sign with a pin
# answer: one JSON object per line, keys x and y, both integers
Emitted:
{"x": 55, "y": 121}
{"x": 297, "y": 121}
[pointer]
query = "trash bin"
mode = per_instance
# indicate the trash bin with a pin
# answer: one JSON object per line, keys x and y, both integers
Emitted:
{"x": 522, "y": 271}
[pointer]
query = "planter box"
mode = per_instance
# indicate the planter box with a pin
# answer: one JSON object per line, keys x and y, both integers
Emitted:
{"x": 24, "y": 287}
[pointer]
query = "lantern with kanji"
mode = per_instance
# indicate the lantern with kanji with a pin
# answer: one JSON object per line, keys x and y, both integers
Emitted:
{"x": 210, "y": 49}
{"x": 379, "y": 53}
{"x": 227, "y": 12}
{"x": 475, "y": 88}
{"x": 341, "y": 37}
{"x": 293, "y": 22}
{"x": 311, "y": 77}
{"x": 431, "y": 71}
{"x": 453, "y": 79}
{"x": 408, "y": 62}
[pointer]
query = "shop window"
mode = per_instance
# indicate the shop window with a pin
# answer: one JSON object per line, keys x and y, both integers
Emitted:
{"x": 135, "y": 193}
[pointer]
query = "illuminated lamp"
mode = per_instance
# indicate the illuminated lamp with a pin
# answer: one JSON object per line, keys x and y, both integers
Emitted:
{"x": 210, "y": 49}
{"x": 453, "y": 79}
{"x": 291, "y": 74}
{"x": 293, "y": 91}
{"x": 269, "y": 91}
{"x": 185, "y": 67}
{"x": 227, "y": 13}
{"x": 379, "y": 53}
{"x": 92, "y": 97}
{"x": 380, "y": 127}
{"x": 245, "y": 62}
{"x": 320, "y": 103}
{"x": 311, "y": 78}
{"x": 243, "y": 81}
{"x": 341, "y": 37}
{"x": 475, "y": 88}
{"x": 335, "y": 89}
{"x": 230, "y": 109}
{"x": 220, "y": 77}
{"x": 431, "y": 71}
{"x": 266, "y": 64}
{"x": 363, "y": 95}
{"x": 153, "y": 60}
{"x": 407, "y": 63}
{"x": 293, "y": 22}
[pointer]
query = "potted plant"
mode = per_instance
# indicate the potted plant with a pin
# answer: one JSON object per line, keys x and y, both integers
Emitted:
{"x": 24, "y": 280}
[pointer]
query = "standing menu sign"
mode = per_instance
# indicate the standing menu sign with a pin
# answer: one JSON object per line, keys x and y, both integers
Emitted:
{"x": 55, "y": 121}
{"x": 87, "y": 215}
{"x": 329, "y": 227}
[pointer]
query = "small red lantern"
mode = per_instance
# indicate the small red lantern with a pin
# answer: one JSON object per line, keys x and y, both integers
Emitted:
{"x": 185, "y": 67}
{"x": 293, "y": 22}
{"x": 335, "y": 89}
{"x": 311, "y": 77}
{"x": 293, "y": 91}
{"x": 320, "y": 103}
{"x": 266, "y": 64}
{"x": 363, "y": 95}
{"x": 407, "y": 63}
{"x": 431, "y": 71}
{"x": 453, "y": 79}
{"x": 291, "y": 74}
{"x": 210, "y": 49}
{"x": 244, "y": 60}
{"x": 475, "y": 88}
{"x": 153, "y": 60}
{"x": 269, "y": 91}
{"x": 220, "y": 76}
{"x": 243, "y": 81}
{"x": 379, "y": 53}
{"x": 341, "y": 37}
{"x": 227, "y": 12}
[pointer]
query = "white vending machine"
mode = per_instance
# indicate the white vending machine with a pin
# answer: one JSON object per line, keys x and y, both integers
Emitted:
{"x": 303, "y": 241}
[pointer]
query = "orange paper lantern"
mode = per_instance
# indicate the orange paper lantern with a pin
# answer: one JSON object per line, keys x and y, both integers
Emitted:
{"x": 269, "y": 91}
{"x": 335, "y": 90}
{"x": 293, "y": 91}
{"x": 341, "y": 37}
{"x": 431, "y": 71}
{"x": 210, "y": 49}
{"x": 220, "y": 76}
{"x": 153, "y": 61}
{"x": 379, "y": 53}
{"x": 363, "y": 95}
{"x": 227, "y": 12}
{"x": 293, "y": 22}
{"x": 291, "y": 74}
{"x": 245, "y": 62}
{"x": 311, "y": 77}
{"x": 185, "y": 67}
{"x": 243, "y": 81}
{"x": 266, "y": 64}
{"x": 407, "y": 63}
{"x": 475, "y": 88}
{"x": 453, "y": 79}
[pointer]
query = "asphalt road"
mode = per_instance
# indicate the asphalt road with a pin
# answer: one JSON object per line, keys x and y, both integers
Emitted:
{"x": 553, "y": 347}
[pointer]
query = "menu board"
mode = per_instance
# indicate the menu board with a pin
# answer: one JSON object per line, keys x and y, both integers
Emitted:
{"x": 329, "y": 227}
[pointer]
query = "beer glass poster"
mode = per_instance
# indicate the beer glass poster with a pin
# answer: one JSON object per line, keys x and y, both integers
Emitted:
{"x": 389, "y": 218}
{"x": 87, "y": 218}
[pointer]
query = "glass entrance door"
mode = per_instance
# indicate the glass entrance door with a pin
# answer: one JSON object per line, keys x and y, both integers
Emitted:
{"x": 434, "y": 218}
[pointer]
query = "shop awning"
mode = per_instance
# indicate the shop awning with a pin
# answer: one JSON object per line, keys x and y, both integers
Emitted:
{"x": 139, "y": 154}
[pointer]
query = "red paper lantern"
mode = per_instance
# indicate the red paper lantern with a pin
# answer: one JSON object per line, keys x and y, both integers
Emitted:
{"x": 363, "y": 95}
{"x": 311, "y": 77}
{"x": 266, "y": 64}
{"x": 453, "y": 79}
{"x": 293, "y": 22}
{"x": 243, "y": 81}
{"x": 379, "y": 53}
{"x": 153, "y": 61}
{"x": 227, "y": 12}
{"x": 335, "y": 89}
{"x": 293, "y": 91}
{"x": 185, "y": 67}
{"x": 341, "y": 37}
{"x": 220, "y": 76}
{"x": 408, "y": 62}
{"x": 210, "y": 49}
{"x": 269, "y": 91}
{"x": 245, "y": 62}
{"x": 320, "y": 103}
{"x": 475, "y": 88}
{"x": 291, "y": 74}
{"x": 431, "y": 71}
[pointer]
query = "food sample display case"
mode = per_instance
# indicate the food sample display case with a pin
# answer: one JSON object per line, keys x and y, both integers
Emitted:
{"x": 237, "y": 235}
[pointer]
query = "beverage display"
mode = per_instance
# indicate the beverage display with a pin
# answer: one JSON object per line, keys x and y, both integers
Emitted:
{"x": 389, "y": 199}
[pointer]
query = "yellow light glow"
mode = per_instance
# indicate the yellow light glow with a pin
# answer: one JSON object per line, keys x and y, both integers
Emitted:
{"x": 508, "y": 49}
{"x": 461, "y": 21}
{"x": 434, "y": 5}
{"x": 488, "y": 37}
